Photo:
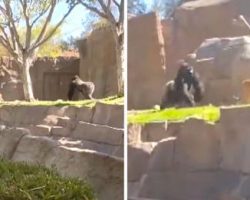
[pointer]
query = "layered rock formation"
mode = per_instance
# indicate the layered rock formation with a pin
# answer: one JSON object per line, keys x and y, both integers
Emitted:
{"x": 84, "y": 142}
{"x": 191, "y": 160}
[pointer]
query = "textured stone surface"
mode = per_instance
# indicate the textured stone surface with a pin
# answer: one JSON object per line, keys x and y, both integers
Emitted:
{"x": 134, "y": 133}
{"x": 60, "y": 131}
{"x": 138, "y": 156}
{"x": 197, "y": 185}
{"x": 110, "y": 115}
{"x": 197, "y": 146}
{"x": 103, "y": 172}
{"x": 162, "y": 157}
{"x": 153, "y": 132}
{"x": 39, "y": 130}
{"x": 84, "y": 114}
{"x": 195, "y": 21}
{"x": 34, "y": 149}
{"x": 98, "y": 133}
{"x": 9, "y": 139}
{"x": 99, "y": 66}
{"x": 92, "y": 152}
{"x": 203, "y": 161}
{"x": 45, "y": 74}
{"x": 235, "y": 139}
{"x": 146, "y": 61}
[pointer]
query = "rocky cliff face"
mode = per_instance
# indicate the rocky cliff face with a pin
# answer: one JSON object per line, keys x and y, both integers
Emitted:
{"x": 195, "y": 21}
{"x": 191, "y": 160}
{"x": 98, "y": 61}
{"x": 84, "y": 142}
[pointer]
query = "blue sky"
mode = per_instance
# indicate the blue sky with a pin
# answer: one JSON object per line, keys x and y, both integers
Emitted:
{"x": 73, "y": 25}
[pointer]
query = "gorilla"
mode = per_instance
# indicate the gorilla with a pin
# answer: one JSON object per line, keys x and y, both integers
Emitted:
{"x": 85, "y": 88}
{"x": 185, "y": 90}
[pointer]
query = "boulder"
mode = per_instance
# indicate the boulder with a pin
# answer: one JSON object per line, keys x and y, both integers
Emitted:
{"x": 162, "y": 157}
{"x": 188, "y": 186}
{"x": 103, "y": 172}
{"x": 34, "y": 149}
{"x": 10, "y": 139}
{"x": 226, "y": 70}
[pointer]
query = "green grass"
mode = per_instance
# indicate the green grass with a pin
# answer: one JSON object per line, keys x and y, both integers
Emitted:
{"x": 88, "y": 103}
{"x": 208, "y": 113}
{"x": 19, "y": 181}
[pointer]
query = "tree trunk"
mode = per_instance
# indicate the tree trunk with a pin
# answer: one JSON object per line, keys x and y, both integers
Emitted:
{"x": 27, "y": 83}
{"x": 119, "y": 61}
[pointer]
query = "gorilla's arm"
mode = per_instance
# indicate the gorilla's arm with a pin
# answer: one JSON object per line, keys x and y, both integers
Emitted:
{"x": 189, "y": 96}
{"x": 199, "y": 87}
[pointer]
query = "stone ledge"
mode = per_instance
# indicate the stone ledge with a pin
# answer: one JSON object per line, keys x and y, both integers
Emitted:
{"x": 98, "y": 133}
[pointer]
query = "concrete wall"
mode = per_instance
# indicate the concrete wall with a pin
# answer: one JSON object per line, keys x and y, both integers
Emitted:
{"x": 50, "y": 77}
{"x": 146, "y": 61}
{"x": 98, "y": 61}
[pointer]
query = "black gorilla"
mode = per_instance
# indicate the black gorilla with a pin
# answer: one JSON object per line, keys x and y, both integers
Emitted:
{"x": 185, "y": 89}
{"x": 85, "y": 88}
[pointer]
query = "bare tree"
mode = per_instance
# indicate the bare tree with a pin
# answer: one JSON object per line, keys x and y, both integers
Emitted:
{"x": 113, "y": 12}
{"x": 27, "y": 14}
{"x": 166, "y": 8}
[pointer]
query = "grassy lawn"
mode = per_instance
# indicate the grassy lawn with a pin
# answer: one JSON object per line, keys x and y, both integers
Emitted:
{"x": 19, "y": 181}
{"x": 88, "y": 103}
{"x": 208, "y": 113}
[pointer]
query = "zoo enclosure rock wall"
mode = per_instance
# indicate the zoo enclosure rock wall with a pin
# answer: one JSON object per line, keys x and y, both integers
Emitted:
{"x": 203, "y": 161}
{"x": 10, "y": 81}
{"x": 80, "y": 142}
{"x": 223, "y": 65}
{"x": 50, "y": 77}
{"x": 195, "y": 21}
{"x": 146, "y": 61}
{"x": 98, "y": 61}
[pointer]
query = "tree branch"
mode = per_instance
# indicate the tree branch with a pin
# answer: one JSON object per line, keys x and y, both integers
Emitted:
{"x": 46, "y": 38}
{"x": 6, "y": 46}
{"x": 27, "y": 22}
{"x": 6, "y": 38}
{"x": 108, "y": 12}
{"x": 93, "y": 9}
{"x": 12, "y": 26}
{"x": 39, "y": 15}
{"x": 121, "y": 12}
{"x": 116, "y": 3}
{"x": 44, "y": 28}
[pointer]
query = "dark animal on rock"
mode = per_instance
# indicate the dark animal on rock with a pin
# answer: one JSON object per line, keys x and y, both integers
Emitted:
{"x": 185, "y": 90}
{"x": 85, "y": 88}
